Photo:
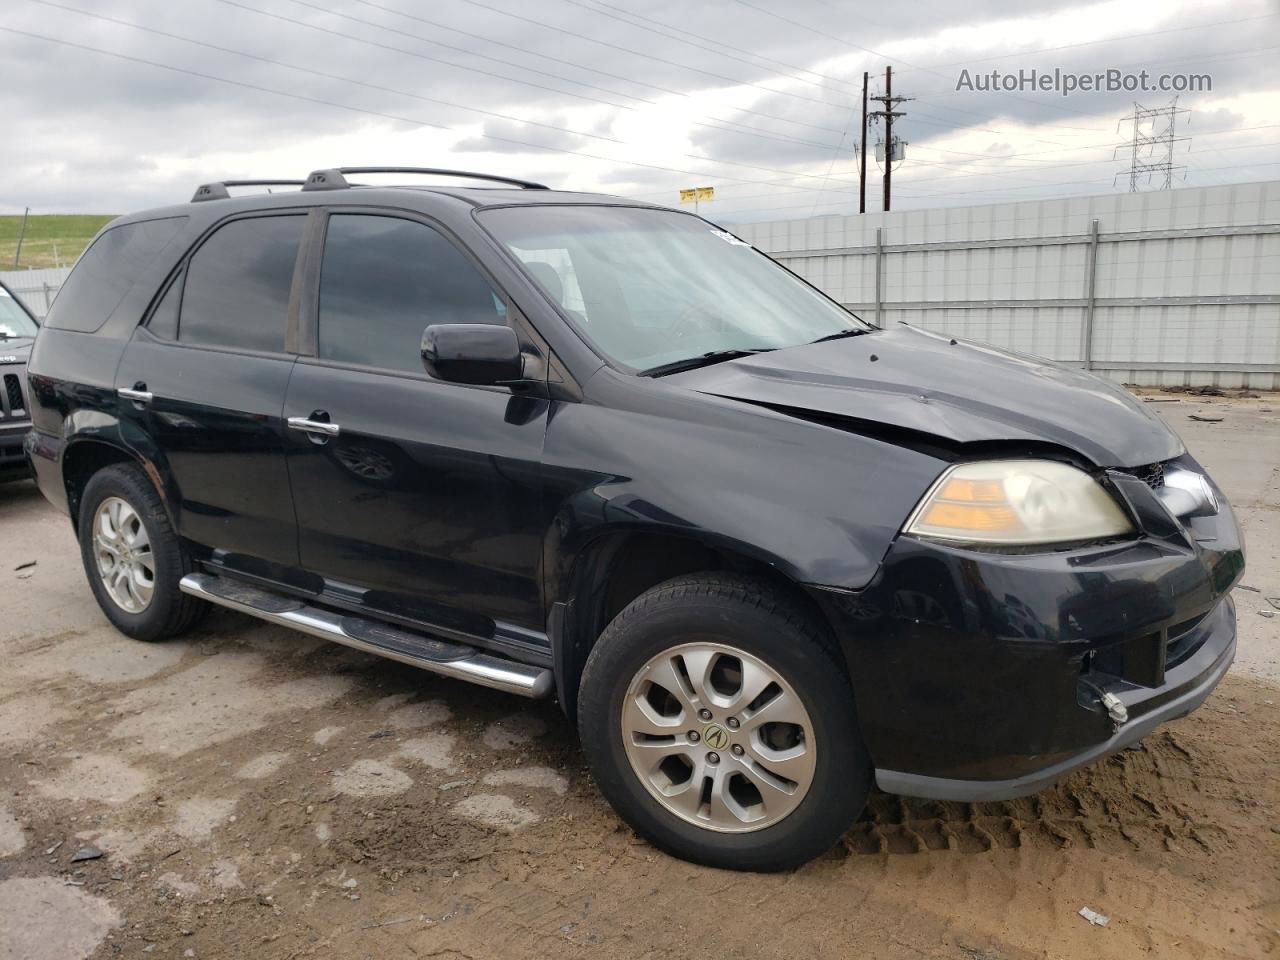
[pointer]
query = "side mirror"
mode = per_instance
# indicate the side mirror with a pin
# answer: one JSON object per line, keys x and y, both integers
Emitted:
{"x": 476, "y": 353}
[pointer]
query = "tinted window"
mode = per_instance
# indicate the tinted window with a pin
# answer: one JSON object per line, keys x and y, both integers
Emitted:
{"x": 164, "y": 319}
{"x": 106, "y": 271}
{"x": 237, "y": 287}
{"x": 384, "y": 280}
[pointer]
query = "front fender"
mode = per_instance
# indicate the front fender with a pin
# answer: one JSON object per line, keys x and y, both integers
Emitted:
{"x": 819, "y": 504}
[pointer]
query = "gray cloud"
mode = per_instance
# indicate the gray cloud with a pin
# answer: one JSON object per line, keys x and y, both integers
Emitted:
{"x": 89, "y": 132}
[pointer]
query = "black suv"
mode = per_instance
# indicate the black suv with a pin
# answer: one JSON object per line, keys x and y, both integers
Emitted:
{"x": 17, "y": 332}
{"x": 561, "y": 444}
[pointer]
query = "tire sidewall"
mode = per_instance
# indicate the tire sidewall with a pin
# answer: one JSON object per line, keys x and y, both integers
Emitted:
{"x": 842, "y": 772}
{"x": 126, "y": 482}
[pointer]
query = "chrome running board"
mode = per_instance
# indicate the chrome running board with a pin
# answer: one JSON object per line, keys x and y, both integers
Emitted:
{"x": 372, "y": 636}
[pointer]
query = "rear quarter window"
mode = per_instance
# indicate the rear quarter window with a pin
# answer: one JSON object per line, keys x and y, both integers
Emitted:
{"x": 106, "y": 271}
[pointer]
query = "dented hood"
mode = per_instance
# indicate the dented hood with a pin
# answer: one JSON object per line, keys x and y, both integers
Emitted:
{"x": 958, "y": 392}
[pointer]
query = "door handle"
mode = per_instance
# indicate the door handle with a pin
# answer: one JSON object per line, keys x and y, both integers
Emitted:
{"x": 138, "y": 393}
{"x": 306, "y": 425}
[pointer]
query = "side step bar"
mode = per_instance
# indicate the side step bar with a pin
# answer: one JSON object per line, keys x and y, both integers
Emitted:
{"x": 371, "y": 636}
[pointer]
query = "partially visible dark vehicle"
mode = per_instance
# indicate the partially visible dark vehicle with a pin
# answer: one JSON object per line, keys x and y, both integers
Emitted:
{"x": 547, "y": 442}
{"x": 18, "y": 330}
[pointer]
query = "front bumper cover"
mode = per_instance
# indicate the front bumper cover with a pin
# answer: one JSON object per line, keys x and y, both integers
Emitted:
{"x": 983, "y": 676}
{"x": 1187, "y": 687}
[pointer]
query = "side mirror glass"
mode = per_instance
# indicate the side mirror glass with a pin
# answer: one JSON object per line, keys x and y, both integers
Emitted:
{"x": 475, "y": 353}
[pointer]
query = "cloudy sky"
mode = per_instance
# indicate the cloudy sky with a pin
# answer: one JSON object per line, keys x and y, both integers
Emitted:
{"x": 112, "y": 105}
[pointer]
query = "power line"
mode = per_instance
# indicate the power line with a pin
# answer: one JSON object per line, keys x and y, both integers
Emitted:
{"x": 412, "y": 53}
{"x": 921, "y": 196}
{"x": 994, "y": 172}
{"x": 637, "y": 53}
{"x": 375, "y": 86}
{"x": 731, "y": 125}
{"x": 421, "y": 56}
{"x": 511, "y": 46}
{"x": 942, "y": 180}
{"x": 915, "y": 66}
{"x": 319, "y": 73}
{"x": 414, "y": 121}
{"x": 683, "y": 35}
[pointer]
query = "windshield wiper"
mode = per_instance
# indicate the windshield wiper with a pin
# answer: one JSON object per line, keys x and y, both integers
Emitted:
{"x": 702, "y": 360}
{"x": 840, "y": 335}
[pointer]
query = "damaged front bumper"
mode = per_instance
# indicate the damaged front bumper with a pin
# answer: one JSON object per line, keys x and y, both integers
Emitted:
{"x": 983, "y": 676}
{"x": 1187, "y": 686}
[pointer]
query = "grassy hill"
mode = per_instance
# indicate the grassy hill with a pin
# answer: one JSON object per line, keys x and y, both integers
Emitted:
{"x": 51, "y": 241}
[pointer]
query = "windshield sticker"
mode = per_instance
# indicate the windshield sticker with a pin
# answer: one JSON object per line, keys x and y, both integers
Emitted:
{"x": 729, "y": 238}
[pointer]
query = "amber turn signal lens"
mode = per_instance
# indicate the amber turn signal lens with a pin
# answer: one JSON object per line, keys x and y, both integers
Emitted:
{"x": 1018, "y": 503}
{"x": 967, "y": 517}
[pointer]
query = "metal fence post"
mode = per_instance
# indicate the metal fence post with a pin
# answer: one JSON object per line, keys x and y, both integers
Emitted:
{"x": 879, "y": 257}
{"x": 1090, "y": 284}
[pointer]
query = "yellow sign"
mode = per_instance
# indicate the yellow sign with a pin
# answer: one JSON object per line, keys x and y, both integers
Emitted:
{"x": 697, "y": 194}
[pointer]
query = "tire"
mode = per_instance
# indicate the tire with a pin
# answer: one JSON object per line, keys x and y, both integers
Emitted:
{"x": 167, "y": 611}
{"x": 761, "y": 630}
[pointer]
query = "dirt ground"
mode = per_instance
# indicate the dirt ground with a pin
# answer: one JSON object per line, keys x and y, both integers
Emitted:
{"x": 257, "y": 793}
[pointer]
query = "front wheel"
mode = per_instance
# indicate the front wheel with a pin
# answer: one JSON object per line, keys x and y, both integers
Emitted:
{"x": 720, "y": 724}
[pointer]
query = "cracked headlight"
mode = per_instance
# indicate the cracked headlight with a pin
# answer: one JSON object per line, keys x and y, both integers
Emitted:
{"x": 1017, "y": 503}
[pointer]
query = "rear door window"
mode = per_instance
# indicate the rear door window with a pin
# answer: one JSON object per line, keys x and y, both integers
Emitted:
{"x": 237, "y": 285}
{"x": 105, "y": 272}
{"x": 384, "y": 280}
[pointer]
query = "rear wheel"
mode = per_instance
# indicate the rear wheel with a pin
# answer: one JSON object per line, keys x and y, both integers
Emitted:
{"x": 719, "y": 723}
{"x": 132, "y": 556}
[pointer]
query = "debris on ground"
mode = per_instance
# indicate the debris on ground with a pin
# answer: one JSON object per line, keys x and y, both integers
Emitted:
{"x": 26, "y": 564}
{"x": 1204, "y": 419}
{"x": 1266, "y": 613}
{"x": 89, "y": 852}
{"x": 1274, "y": 601}
{"x": 1094, "y": 917}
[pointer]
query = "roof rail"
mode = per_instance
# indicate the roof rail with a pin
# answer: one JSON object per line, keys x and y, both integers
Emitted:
{"x": 218, "y": 190}
{"x": 335, "y": 178}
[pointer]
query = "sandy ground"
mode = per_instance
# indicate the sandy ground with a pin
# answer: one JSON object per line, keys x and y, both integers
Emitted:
{"x": 260, "y": 794}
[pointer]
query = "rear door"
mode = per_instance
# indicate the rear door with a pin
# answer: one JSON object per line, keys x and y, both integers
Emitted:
{"x": 421, "y": 499}
{"x": 202, "y": 386}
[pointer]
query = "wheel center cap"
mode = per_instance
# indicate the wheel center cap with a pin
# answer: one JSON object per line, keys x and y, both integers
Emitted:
{"x": 715, "y": 736}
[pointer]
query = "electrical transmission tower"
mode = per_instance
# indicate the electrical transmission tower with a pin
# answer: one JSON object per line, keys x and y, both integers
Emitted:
{"x": 1151, "y": 150}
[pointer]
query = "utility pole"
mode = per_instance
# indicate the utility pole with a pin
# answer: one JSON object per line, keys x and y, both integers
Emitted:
{"x": 888, "y": 134}
{"x": 1155, "y": 146}
{"x": 21, "y": 235}
{"x": 891, "y": 146}
{"x": 862, "y": 156}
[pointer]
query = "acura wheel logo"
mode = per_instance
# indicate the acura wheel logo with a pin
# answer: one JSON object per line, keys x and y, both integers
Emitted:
{"x": 715, "y": 736}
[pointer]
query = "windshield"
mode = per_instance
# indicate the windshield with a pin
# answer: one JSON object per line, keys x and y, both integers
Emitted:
{"x": 651, "y": 288}
{"x": 14, "y": 321}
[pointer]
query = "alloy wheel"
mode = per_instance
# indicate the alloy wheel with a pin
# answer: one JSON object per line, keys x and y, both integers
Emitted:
{"x": 122, "y": 551}
{"x": 718, "y": 737}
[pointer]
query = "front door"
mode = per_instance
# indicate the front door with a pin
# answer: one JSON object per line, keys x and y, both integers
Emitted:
{"x": 415, "y": 497}
{"x": 203, "y": 386}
